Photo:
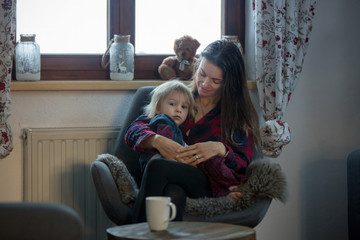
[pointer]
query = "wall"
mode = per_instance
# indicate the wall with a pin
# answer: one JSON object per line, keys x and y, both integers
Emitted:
{"x": 55, "y": 109}
{"x": 323, "y": 116}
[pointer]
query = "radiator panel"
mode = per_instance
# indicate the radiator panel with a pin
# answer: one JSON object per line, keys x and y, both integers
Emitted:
{"x": 57, "y": 169}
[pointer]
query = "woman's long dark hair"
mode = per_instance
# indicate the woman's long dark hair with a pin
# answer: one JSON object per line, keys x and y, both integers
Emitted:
{"x": 237, "y": 109}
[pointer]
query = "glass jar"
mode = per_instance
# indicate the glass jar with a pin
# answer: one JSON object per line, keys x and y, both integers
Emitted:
{"x": 27, "y": 58}
{"x": 121, "y": 58}
{"x": 234, "y": 39}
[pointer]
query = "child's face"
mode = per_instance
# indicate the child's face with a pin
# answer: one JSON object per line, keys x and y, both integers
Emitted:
{"x": 176, "y": 106}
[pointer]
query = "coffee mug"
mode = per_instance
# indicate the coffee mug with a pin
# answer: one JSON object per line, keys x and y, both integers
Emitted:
{"x": 158, "y": 212}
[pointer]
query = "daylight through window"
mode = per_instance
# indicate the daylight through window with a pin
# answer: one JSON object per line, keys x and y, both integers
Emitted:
{"x": 160, "y": 22}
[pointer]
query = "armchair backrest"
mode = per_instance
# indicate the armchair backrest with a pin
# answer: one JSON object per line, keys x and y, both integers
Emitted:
{"x": 122, "y": 150}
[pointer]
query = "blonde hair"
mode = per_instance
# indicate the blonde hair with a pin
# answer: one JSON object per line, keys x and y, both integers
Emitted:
{"x": 163, "y": 90}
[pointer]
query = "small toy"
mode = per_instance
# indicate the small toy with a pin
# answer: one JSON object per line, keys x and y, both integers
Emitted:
{"x": 182, "y": 65}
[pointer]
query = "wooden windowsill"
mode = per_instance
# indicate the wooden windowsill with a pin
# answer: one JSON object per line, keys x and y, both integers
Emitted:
{"x": 94, "y": 85}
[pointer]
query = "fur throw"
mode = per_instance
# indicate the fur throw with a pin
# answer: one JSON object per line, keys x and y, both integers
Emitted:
{"x": 125, "y": 183}
{"x": 266, "y": 180}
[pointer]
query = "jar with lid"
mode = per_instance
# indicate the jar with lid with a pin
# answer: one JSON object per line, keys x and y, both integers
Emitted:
{"x": 27, "y": 58}
{"x": 121, "y": 58}
{"x": 234, "y": 39}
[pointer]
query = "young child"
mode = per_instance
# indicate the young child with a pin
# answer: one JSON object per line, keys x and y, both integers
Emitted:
{"x": 171, "y": 104}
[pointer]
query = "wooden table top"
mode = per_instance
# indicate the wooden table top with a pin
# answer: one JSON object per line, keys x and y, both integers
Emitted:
{"x": 182, "y": 230}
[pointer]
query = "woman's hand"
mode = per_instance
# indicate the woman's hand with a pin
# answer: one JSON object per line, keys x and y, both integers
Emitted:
{"x": 200, "y": 152}
{"x": 167, "y": 147}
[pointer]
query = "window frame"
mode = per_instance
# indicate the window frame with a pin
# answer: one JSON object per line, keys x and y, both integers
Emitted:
{"x": 121, "y": 19}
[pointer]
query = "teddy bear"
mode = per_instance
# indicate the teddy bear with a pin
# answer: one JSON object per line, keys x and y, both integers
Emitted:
{"x": 180, "y": 66}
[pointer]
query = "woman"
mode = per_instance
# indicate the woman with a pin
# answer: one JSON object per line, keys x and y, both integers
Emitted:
{"x": 220, "y": 139}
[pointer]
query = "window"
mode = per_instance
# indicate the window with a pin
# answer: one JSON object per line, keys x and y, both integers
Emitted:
{"x": 180, "y": 19}
{"x": 63, "y": 33}
{"x": 121, "y": 19}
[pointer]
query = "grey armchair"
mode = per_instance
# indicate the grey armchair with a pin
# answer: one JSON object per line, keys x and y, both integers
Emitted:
{"x": 34, "y": 221}
{"x": 120, "y": 213}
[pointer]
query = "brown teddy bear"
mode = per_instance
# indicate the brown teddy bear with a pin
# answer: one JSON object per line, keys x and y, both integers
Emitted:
{"x": 180, "y": 66}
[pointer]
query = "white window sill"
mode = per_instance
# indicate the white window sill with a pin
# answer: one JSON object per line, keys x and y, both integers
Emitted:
{"x": 100, "y": 85}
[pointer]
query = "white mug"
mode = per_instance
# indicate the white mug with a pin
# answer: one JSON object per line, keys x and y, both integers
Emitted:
{"x": 158, "y": 212}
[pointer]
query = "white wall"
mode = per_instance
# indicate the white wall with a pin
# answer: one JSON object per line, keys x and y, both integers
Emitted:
{"x": 323, "y": 116}
{"x": 55, "y": 109}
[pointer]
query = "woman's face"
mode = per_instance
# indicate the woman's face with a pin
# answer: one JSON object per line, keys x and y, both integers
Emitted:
{"x": 209, "y": 79}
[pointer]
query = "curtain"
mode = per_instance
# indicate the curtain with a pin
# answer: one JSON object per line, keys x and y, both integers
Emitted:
{"x": 282, "y": 29}
{"x": 7, "y": 45}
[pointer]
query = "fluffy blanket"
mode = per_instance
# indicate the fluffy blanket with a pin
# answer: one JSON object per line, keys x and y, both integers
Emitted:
{"x": 265, "y": 180}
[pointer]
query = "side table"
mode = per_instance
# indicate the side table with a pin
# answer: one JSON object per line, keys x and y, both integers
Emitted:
{"x": 182, "y": 230}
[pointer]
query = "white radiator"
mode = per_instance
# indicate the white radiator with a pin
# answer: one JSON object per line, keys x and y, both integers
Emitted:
{"x": 57, "y": 169}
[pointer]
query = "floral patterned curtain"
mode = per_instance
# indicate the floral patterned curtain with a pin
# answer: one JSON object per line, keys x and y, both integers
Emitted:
{"x": 7, "y": 45}
{"x": 282, "y": 29}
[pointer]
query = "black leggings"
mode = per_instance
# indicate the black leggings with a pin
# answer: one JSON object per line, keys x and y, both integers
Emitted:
{"x": 164, "y": 177}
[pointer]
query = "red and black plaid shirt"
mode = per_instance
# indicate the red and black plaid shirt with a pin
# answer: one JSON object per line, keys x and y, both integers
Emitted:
{"x": 222, "y": 172}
